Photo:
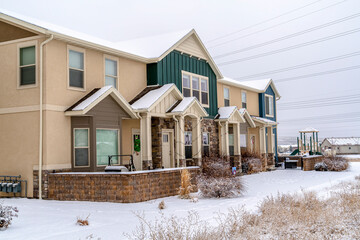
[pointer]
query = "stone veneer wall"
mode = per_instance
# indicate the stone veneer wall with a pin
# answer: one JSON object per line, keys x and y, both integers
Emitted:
{"x": 309, "y": 162}
{"x": 157, "y": 125}
{"x": 210, "y": 126}
{"x": 128, "y": 187}
{"x": 45, "y": 181}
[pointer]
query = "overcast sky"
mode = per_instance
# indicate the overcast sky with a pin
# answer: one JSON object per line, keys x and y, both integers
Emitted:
{"x": 328, "y": 102}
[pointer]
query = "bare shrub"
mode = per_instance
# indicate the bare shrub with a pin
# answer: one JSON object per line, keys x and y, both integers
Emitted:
{"x": 7, "y": 213}
{"x": 161, "y": 205}
{"x": 83, "y": 221}
{"x": 253, "y": 163}
{"x": 217, "y": 180}
{"x": 335, "y": 163}
{"x": 186, "y": 187}
{"x": 320, "y": 166}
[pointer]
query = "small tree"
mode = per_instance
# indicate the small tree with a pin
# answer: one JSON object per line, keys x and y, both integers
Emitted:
{"x": 6, "y": 215}
{"x": 186, "y": 187}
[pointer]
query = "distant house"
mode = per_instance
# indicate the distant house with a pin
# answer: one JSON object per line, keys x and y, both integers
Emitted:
{"x": 342, "y": 145}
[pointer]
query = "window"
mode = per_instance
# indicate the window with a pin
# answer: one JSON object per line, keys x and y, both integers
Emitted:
{"x": 196, "y": 86}
{"x": 188, "y": 145}
{"x": 269, "y": 105}
{"x": 243, "y": 99}
{"x": 243, "y": 140}
{"x": 76, "y": 69}
{"x": 206, "y": 143}
{"x": 226, "y": 97}
{"x": 231, "y": 141}
{"x": 165, "y": 138}
{"x": 111, "y": 72}
{"x": 27, "y": 66}
{"x": 107, "y": 143}
{"x": 81, "y": 147}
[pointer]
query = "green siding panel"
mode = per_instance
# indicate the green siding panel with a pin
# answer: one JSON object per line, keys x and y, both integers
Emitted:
{"x": 168, "y": 70}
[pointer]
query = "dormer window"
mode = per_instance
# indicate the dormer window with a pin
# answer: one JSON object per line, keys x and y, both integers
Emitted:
{"x": 269, "y": 105}
{"x": 194, "y": 85}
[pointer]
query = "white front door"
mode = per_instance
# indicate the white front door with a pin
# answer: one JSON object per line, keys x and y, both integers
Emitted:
{"x": 136, "y": 149}
{"x": 166, "y": 149}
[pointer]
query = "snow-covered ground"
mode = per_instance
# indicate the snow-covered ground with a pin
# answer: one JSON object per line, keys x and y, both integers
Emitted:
{"x": 351, "y": 157}
{"x": 56, "y": 219}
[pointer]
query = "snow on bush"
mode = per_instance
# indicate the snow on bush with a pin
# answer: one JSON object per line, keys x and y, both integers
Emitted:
{"x": 252, "y": 162}
{"x": 217, "y": 180}
{"x": 320, "y": 166}
{"x": 7, "y": 213}
{"x": 336, "y": 163}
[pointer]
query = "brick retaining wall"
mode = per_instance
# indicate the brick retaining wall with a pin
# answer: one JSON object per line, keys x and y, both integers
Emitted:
{"x": 117, "y": 187}
{"x": 309, "y": 162}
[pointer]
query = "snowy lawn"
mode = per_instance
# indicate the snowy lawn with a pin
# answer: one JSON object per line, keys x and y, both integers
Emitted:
{"x": 56, "y": 219}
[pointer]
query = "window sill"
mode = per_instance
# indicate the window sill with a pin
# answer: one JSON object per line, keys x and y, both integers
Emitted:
{"x": 77, "y": 89}
{"x": 27, "y": 86}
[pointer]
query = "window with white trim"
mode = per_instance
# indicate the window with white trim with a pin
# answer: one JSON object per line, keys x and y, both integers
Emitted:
{"x": 231, "y": 140}
{"x": 188, "y": 145}
{"x": 81, "y": 147}
{"x": 269, "y": 105}
{"x": 226, "y": 97}
{"x": 206, "y": 143}
{"x": 76, "y": 69}
{"x": 194, "y": 85}
{"x": 27, "y": 66}
{"x": 107, "y": 143}
{"x": 243, "y": 99}
{"x": 111, "y": 72}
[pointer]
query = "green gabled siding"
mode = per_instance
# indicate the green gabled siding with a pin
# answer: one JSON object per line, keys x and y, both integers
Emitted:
{"x": 168, "y": 70}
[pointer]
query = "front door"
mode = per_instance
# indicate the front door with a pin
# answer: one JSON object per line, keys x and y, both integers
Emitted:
{"x": 136, "y": 149}
{"x": 252, "y": 143}
{"x": 166, "y": 150}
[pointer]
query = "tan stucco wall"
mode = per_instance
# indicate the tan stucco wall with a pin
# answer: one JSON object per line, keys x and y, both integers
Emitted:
{"x": 132, "y": 75}
{"x": 19, "y": 145}
{"x": 235, "y": 98}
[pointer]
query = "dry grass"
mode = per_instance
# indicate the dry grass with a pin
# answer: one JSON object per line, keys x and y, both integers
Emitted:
{"x": 186, "y": 186}
{"x": 287, "y": 216}
{"x": 253, "y": 162}
{"x": 161, "y": 205}
{"x": 83, "y": 221}
{"x": 335, "y": 163}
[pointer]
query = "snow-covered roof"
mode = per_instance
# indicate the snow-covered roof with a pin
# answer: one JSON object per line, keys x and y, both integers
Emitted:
{"x": 264, "y": 120}
{"x": 90, "y": 100}
{"x": 184, "y": 104}
{"x": 259, "y": 86}
{"x": 82, "y": 105}
{"x": 309, "y": 130}
{"x": 148, "y": 49}
{"x": 151, "y": 97}
{"x": 225, "y": 112}
{"x": 152, "y": 46}
{"x": 341, "y": 141}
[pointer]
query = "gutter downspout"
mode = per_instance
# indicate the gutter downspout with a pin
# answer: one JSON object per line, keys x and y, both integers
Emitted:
{"x": 41, "y": 114}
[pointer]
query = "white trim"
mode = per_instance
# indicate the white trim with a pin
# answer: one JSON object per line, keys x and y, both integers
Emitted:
{"x": 80, "y": 50}
{"x": 228, "y": 88}
{"x": 119, "y": 145}
{"x": 33, "y": 108}
{"x": 272, "y": 107}
{"x": 116, "y": 59}
{"x": 191, "y": 87}
{"x": 88, "y": 147}
{"x": 24, "y": 45}
{"x": 20, "y": 40}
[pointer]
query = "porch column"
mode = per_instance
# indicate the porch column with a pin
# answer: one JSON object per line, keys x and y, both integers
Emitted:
{"x": 237, "y": 148}
{"x": 181, "y": 143}
{"x": 224, "y": 137}
{"x": 196, "y": 140}
{"x": 262, "y": 140}
{"x": 145, "y": 139}
{"x": 271, "y": 140}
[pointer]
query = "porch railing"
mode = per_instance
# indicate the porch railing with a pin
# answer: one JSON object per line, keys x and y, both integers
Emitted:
{"x": 129, "y": 166}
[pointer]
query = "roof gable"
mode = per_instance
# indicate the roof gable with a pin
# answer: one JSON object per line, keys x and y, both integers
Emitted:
{"x": 230, "y": 114}
{"x": 192, "y": 47}
{"x": 245, "y": 114}
{"x": 84, "y": 105}
{"x": 188, "y": 106}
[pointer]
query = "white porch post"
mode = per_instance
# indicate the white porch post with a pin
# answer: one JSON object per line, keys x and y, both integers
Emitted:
{"x": 181, "y": 143}
{"x": 271, "y": 140}
{"x": 224, "y": 138}
{"x": 237, "y": 149}
{"x": 196, "y": 139}
{"x": 145, "y": 139}
{"x": 262, "y": 140}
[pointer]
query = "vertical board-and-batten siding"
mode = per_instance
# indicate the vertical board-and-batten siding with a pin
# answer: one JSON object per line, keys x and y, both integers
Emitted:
{"x": 269, "y": 91}
{"x": 168, "y": 70}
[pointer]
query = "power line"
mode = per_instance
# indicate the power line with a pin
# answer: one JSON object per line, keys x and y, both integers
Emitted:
{"x": 318, "y": 74}
{"x": 276, "y": 25}
{"x": 265, "y": 21}
{"x": 342, "y": 34}
{"x": 290, "y": 35}
{"x": 310, "y": 64}
{"x": 319, "y": 105}
{"x": 332, "y": 116}
{"x": 343, "y": 97}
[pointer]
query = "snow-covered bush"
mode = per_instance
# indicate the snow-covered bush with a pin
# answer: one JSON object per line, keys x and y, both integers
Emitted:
{"x": 336, "y": 163}
{"x": 161, "y": 205}
{"x": 7, "y": 213}
{"x": 253, "y": 163}
{"x": 320, "y": 166}
{"x": 186, "y": 187}
{"x": 217, "y": 180}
